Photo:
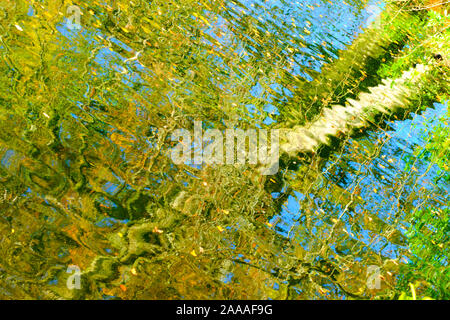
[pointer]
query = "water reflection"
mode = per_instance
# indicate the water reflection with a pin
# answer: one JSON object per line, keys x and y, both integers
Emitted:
{"x": 86, "y": 178}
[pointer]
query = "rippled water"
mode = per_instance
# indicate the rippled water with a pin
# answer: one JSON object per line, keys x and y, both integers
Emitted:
{"x": 86, "y": 118}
